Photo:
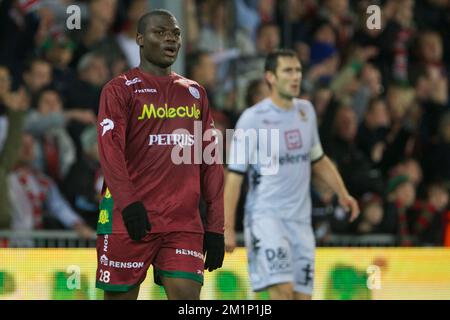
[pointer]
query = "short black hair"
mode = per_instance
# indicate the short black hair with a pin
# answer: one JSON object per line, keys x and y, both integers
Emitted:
{"x": 40, "y": 93}
{"x": 265, "y": 25}
{"x": 252, "y": 90}
{"x": 28, "y": 65}
{"x": 193, "y": 60}
{"x": 142, "y": 23}
{"x": 272, "y": 58}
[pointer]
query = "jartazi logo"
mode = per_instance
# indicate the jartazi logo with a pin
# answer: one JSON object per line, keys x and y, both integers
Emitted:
{"x": 119, "y": 264}
{"x": 132, "y": 81}
{"x": 107, "y": 125}
{"x": 104, "y": 260}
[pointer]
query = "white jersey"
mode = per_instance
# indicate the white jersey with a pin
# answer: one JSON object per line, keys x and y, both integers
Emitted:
{"x": 286, "y": 194}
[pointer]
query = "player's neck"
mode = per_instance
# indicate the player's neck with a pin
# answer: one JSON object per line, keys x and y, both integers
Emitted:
{"x": 149, "y": 67}
{"x": 282, "y": 102}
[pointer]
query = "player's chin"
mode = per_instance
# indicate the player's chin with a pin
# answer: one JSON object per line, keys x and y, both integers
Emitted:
{"x": 295, "y": 93}
{"x": 167, "y": 61}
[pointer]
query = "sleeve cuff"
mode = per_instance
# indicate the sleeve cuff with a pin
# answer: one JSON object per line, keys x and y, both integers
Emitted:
{"x": 318, "y": 159}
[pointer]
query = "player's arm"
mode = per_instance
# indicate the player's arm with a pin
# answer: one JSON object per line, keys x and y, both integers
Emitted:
{"x": 16, "y": 104}
{"x": 233, "y": 184}
{"x": 325, "y": 170}
{"x": 212, "y": 179}
{"x": 242, "y": 146}
{"x": 112, "y": 128}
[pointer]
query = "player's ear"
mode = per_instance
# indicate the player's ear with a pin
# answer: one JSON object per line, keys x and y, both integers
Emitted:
{"x": 270, "y": 77}
{"x": 140, "y": 40}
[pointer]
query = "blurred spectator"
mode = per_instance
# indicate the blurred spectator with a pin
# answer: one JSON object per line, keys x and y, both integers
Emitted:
{"x": 400, "y": 138}
{"x": 58, "y": 51}
{"x": 370, "y": 87}
{"x": 83, "y": 184}
{"x": 295, "y": 17}
{"x": 399, "y": 214}
{"x": 37, "y": 75}
{"x": 267, "y": 38}
{"x": 191, "y": 17}
{"x": 338, "y": 13}
{"x": 371, "y": 216}
{"x": 127, "y": 37}
{"x": 250, "y": 68}
{"x": 18, "y": 28}
{"x": 372, "y": 131}
{"x": 324, "y": 57}
{"x": 410, "y": 168}
{"x": 322, "y": 99}
{"x": 430, "y": 52}
{"x": 431, "y": 216}
{"x": 432, "y": 14}
{"x": 202, "y": 68}
{"x": 101, "y": 14}
{"x": 55, "y": 152}
{"x": 356, "y": 169}
{"x": 92, "y": 75}
{"x": 257, "y": 90}
{"x": 437, "y": 159}
{"x": 266, "y": 10}
{"x": 397, "y": 37}
{"x": 372, "y": 39}
{"x": 215, "y": 36}
{"x": 35, "y": 197}
{"x": 431, "y": 85}
{"x": 358, "y": 81}
{"x": 328, "y": 217}
{"x": 247, "y": 17}
{"x": 13, "y": 104}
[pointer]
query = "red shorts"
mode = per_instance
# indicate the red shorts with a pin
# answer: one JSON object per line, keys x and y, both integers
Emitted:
{"x": 123, "y": 263}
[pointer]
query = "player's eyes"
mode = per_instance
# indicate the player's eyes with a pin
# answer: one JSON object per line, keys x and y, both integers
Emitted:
{"x": 163, "y": 33}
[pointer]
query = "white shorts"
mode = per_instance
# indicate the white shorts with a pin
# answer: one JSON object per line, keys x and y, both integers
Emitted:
{"x": 280, "y": 251}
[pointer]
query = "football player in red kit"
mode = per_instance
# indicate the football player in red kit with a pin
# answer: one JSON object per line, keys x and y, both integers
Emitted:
{"x": 149, "y": 212}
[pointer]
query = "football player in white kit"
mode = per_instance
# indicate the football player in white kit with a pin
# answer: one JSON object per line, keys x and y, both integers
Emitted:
{"x": 277, "y": 224}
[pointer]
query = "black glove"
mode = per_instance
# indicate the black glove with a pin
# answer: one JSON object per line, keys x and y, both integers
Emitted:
{"x": 136, "y": 220}
{"x": 214, "y": 249}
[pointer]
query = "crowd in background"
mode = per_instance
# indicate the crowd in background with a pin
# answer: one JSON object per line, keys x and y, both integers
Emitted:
{"x": 381, "y": 97}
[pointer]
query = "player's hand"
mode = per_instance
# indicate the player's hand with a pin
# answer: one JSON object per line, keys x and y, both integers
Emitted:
{"x": 136, "y": 220}
{"x": 230, "y": 240}
{"x": 84, "y": 231}
{"x": 17, "y": 101}
{"x": 214, "y": 249}
{"x": 350, "y": 204}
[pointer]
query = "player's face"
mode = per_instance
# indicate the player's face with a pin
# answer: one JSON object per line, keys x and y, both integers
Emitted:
{"x": 162, "y": 40}
{"x": 288, "y": 77}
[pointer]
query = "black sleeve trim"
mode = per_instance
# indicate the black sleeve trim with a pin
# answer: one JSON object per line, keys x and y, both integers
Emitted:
{"x": 319, "y": 158}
